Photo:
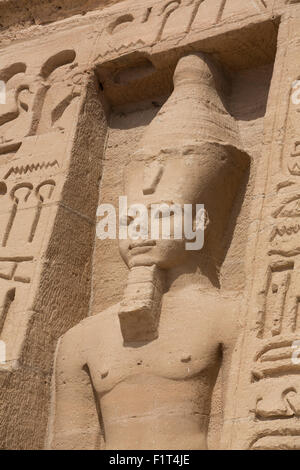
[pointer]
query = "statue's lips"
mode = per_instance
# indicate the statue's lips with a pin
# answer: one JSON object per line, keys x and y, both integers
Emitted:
{"x": 140, "y": 247}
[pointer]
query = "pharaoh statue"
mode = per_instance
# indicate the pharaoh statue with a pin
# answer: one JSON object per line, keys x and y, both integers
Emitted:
{"x": 141, "y": 374}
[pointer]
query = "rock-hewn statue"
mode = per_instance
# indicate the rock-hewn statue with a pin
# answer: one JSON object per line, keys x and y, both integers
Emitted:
{"x": 143, "y": 372}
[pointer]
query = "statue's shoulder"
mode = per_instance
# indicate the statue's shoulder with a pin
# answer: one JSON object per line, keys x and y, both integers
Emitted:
{"x": 219, "y": 299}
{"x": 87, "y": 331}
{"x": 93, "y": 321}
{"x": 230, "y": 297}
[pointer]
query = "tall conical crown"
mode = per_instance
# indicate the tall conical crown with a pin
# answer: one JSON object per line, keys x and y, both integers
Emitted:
{"x": 194, "y": 113}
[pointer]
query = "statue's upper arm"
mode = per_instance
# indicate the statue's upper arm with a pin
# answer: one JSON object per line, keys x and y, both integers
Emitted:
{"x": 74, "y": 421}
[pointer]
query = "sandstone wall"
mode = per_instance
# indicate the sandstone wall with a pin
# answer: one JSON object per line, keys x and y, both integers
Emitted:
{"x": 84, "y": 79}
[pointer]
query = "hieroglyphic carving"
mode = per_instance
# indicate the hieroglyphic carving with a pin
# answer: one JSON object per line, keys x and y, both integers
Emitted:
{"x": 39, "y": 100}
{"x": 19, "y": 228}
{"x": 30, "y": 168}
{"x": 271, "y": 316}
{"x": 12, "y": 269}
{"x": 53, "y": 98}
{"x": 43, "y": 193}
{"x": 283, "y": 236}
{"x": 28, "y": 181}
{"x": 19, "y": 195}
{"x": 148, "y": 25}
{"x": 273, "y": 324}
{"x": 292, "y": 144}
{"x": 36, "y": 105}
{"x": 274, "y": 374}
{"x": 183, "y": 13}
{"x": 4, "y": 307}
{"x": 16, "y": 114}
{"x": 162, "y": 20}
{"x": 282, "y": 401}
{"x": 21, "y": 210}
{"x": 15, "y": 275}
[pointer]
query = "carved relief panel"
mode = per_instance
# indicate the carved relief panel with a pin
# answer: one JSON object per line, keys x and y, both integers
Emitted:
{"x": 268, "y": 354}
{"x": 162, "y": 21}
{"x": 33, "y": 103}
{"x": 35, "y": 123}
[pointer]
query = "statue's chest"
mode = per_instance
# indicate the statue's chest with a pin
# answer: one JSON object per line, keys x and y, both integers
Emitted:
{"x": 183, "y": 350}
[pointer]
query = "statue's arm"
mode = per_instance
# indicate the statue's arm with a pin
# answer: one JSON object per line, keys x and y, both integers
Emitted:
{"x": 73, "y": 421}
{"x": 231, "y": 336}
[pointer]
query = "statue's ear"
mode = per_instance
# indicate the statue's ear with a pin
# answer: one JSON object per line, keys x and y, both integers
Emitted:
{"x": 238, "y": 157}
{"x": 203, "y": 222}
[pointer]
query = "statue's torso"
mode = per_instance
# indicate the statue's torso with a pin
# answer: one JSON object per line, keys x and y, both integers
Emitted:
{"x": 157, "y": 394}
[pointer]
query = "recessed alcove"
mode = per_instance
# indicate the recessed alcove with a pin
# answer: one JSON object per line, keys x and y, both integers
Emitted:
{"x": 135, "y": 86}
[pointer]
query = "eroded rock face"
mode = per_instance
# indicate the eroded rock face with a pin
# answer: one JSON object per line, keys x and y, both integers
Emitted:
{"x": 184, "y": 102}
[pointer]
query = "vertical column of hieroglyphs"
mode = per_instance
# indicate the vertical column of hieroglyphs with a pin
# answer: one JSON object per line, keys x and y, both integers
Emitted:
{"x": 267, "y": 368}
{"x": 32, "y": 140}
{"x": 49, "y": 175}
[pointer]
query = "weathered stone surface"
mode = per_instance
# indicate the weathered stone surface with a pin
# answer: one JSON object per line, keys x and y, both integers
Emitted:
{"x": 183, "y": 101}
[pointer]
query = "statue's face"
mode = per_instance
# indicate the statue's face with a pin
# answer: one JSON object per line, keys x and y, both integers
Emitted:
{"x": 173, "y": 180}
